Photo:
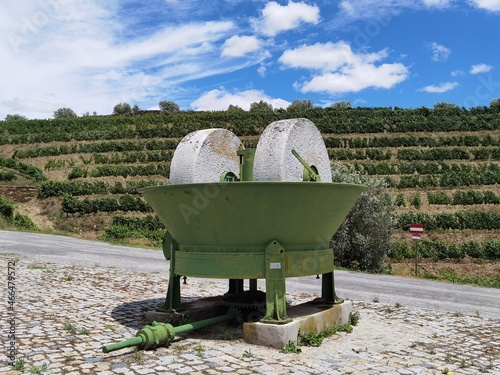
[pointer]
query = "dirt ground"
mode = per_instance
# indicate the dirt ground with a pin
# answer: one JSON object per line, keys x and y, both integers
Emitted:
{"x": 464, "y": 268}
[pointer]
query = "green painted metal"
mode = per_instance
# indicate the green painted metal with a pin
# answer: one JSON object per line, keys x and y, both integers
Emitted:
{"x": 150, "y": 336}
{"x": 173, "y": 299}
{"x": 275, "y": 284}
{"x": 232, "y": 265}
{"x": 328, "y": 289}
{"x": 247, "y": 156}
{"x": 243, "y": 217}
{"x": 224, "y": 230}
{"x": 160, "y": 334}
{"x": 167, "y": 245}
{"x": 310, "y": 171}
{"x": 228, "y": 176}
{"x": 243, "y": 229}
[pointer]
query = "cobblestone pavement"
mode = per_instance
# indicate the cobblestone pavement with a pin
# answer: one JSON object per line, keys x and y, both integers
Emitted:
{"x": 65, "y": 314}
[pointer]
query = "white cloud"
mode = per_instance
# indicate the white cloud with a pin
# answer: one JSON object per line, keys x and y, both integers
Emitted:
{"x": 262, "y": 69}
{"x": 489, "y": 5}
{"x": 220, "y": 99}
{"x": 480, "y": 68}
{"x": 439, "y": 52}
{"x": 75, "y": 54}
{"x": 440, "y": 4}
{"x": 457, "y": 73}
{"x": 379, "y": 12}
{"x": 276, "y": 18}
{"x": 238, "y": 46}
{"x": 340, "y": 70}
{"x": 442, "y": 87}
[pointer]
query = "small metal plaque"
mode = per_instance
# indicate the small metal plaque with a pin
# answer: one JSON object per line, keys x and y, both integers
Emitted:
{"x": 275, "y": 266}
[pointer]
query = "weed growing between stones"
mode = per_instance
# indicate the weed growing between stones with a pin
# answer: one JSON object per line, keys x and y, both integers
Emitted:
{"x": 247, "y": 354}
{"x": 291, "y": 348}
{"x": 227, "y": 334}
{"x": 19, "y": 364}
{"x": 39, "y": 369}
{"x": 315, "y": 339}
{"x": 199, "y": 350}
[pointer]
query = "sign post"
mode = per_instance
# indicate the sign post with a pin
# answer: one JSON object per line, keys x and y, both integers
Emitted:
{"x": 416, "y": 231}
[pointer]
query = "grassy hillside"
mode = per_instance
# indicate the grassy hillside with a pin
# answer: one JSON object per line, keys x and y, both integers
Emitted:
{"x": 81, "y": 176}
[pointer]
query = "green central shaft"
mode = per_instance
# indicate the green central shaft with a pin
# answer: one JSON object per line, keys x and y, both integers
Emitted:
{"x": 157, "y": 334}
{"x": 205, "y": 323}
{"x": 135, "y": 341}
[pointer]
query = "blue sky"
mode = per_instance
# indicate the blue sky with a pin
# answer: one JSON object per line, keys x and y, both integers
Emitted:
{"x": 89, "y": 55}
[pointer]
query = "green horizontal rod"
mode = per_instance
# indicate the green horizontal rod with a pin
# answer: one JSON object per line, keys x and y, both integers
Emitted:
{"x": 135, "y": 341}
{"x": 205, "y": 323}
{"x": 158, "y": 334}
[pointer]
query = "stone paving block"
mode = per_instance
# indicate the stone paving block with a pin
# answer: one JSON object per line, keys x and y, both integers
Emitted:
{"x": 111, "y": 304}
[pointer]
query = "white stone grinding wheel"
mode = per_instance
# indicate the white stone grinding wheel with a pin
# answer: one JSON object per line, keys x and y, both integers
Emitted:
{"x": 202, "y": 156}
{"x": 274, "y": 160}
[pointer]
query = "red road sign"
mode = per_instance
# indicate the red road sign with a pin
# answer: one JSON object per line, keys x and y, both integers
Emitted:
{"x": 416, "y": 231}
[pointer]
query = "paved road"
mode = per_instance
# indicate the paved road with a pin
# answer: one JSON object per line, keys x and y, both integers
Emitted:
{"x": 416, "y": 293}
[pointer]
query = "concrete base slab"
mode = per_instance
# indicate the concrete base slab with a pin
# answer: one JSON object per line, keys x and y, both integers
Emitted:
{"x": 307, "y": 317}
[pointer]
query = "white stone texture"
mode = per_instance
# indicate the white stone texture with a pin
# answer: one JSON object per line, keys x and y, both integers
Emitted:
{"x": 202, "y": 156}
{"x": 274, "y": 160}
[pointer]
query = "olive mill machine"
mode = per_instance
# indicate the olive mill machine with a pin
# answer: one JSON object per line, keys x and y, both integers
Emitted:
{"x": 238, "y": 213}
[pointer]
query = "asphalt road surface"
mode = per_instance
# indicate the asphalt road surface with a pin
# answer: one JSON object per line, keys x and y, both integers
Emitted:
{"x": 410, "y": 292}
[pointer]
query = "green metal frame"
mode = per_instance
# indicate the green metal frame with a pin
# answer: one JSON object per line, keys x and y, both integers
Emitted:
{"x": 242, "y": 229}
{"x": 173, "y": 298}
{"x": 275, "y": 284}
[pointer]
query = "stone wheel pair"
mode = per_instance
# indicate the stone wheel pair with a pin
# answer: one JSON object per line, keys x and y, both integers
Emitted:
{"x": 204, "y": 155}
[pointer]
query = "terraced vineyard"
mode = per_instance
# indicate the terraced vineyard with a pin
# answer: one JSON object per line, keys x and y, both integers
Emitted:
{"x": 82, "y": 175}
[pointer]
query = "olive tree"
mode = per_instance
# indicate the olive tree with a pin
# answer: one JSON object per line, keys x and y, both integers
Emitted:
{"x": 65, "y": 113}
{"x": 364, "y": 238}
{"x": 341, "y": 104}
{"x": 301, "y": 104}
{"x": 261, "y": 106}
{"x": 168, "y": 106}
{"x": 122, "y": 109}
{"x": 15, "y": 117}
{"x": 495, "y": 104}
{"x": 234, "y": 108}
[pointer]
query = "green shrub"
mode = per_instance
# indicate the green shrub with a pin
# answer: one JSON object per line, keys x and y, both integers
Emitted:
{"x": 8, "y": 212}
{"x": 124, "y": 227}
{"x": 363, "y": 240}
{"x": 400, "y": 250}
{"x": 438, "y": 197}
{"x": 455, "y": 251}
{"x": 23, "y": 168}
{"x": 490, "y": 197}
{"x": 7, "y": 176}
{"x": 77, "y": 172}
{"x": 24, "y": 222}
{"x": 473, "y": 249}
{"x": 416, "y": 201}
{"x": 6, "y": 208}
{"x": 491, "y": 250}
{"x": 400, "y": 200}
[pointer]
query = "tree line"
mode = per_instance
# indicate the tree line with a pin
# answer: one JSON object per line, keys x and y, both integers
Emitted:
{"x": 168, "y": 106}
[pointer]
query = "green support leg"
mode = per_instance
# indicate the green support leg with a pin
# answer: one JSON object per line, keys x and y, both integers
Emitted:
{"x": 275, "y": 285}
{"x": 328, "y": 289}
{"x": 173, "y": 299}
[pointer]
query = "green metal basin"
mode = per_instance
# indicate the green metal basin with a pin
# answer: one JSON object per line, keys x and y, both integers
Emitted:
{"x": 216, "y": 223}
